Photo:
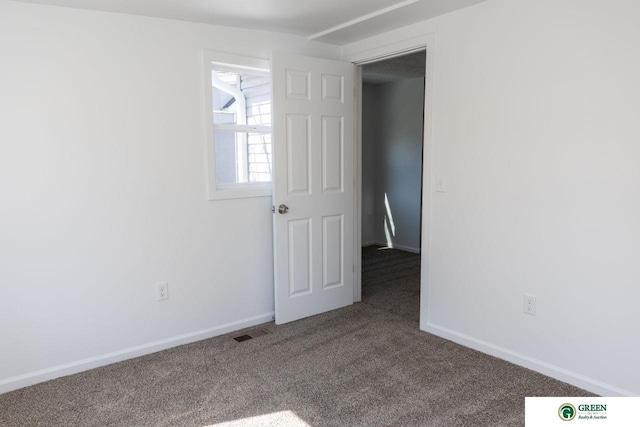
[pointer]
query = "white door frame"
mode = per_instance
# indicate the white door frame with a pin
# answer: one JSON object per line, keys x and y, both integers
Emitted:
{"x": 373, "y": 55}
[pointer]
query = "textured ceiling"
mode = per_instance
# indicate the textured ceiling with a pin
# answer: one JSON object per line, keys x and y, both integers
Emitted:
{"x": 332, "y": 21}
{"x": 398, "y": 68}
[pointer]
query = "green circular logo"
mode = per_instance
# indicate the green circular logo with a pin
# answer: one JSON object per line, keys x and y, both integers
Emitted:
{"x": 567, "y": 412}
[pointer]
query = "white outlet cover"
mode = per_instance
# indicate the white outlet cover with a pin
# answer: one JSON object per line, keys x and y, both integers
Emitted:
{"x": 162, "y": 291}
{"x": 441, "y": 184}
{"x": 529, "y": 306}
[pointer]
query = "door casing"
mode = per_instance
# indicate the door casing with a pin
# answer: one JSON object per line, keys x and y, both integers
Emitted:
{"x": 373, "y": 55}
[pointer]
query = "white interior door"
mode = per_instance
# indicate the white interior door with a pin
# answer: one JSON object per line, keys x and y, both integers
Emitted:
{"x": 312, "y": 185}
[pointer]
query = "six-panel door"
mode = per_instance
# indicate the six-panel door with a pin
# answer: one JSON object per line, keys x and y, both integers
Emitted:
{"x": 313, "y": 176}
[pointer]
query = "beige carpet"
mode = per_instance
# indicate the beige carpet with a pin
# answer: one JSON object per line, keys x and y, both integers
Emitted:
{"x": 364, "y": 365}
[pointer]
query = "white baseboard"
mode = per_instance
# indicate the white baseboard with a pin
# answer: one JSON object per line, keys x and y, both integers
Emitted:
{"x": 42, "y": 375}
{"x": 544, "y": 368}
{"x": 400, "y": 247}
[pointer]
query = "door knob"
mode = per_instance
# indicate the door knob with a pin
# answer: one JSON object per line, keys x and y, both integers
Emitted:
{"x": 283, "y": 209}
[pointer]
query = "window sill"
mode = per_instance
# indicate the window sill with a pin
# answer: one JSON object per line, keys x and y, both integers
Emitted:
{"x": 240, "y": 191}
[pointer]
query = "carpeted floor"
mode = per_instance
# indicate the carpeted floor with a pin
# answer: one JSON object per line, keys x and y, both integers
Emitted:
{"x": 363, "y": 365}
{"x": 391, "y": 281}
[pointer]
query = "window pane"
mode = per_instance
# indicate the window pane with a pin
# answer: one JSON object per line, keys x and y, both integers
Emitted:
{"x": 241, "y": 98}
{"x": 242, "y": 157}
{"x": 259, "y": 156}
{"x": 225, "y": 154}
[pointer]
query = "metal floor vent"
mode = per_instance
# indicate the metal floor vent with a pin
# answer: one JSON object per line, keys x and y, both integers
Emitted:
{"x": 250, "y": 335}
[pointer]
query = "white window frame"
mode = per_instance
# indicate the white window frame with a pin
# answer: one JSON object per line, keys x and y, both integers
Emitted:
{"x": 215, "y": 191}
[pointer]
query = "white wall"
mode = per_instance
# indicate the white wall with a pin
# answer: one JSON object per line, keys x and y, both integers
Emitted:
{"x": 102, "y": 191}
{"x": 535, "y": 127}
{"x": 392, "y": 162}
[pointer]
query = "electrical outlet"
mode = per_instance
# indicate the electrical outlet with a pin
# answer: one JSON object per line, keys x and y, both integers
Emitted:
{"x": 441, "y": 184}
{"x": 162, "y": 291}
{"x": 369, "y": 219}
{"x": 530, "y": 304}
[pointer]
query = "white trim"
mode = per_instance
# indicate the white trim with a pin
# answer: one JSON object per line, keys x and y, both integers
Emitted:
{"x": 357, "y": 185}
{"x": 427, "y": 168}
{"x": 523, "y": 360}
{"x": 399, "y": 247}
{"x": 361, "y": 19}
{"x": 42, "y": 375}
{"x": 241, "y": 190}
{"x": 242, "y": 128}
{"x": 239, "y": 194}
{"x": 398, "y": 48}
{"x": 236, "y": 61}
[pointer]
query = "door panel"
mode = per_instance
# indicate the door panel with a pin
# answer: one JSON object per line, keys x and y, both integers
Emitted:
{"x": 333, "y": 88}
{"x": 333, "y": 249}
{"x": 299, "y": 148}
{"x": 313, "y": 177}
{"x": 299, "y": 257}
{"x": 332, "y": 153}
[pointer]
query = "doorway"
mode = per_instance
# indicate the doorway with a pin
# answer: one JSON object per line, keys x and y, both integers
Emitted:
{"x": 391, "y": 182}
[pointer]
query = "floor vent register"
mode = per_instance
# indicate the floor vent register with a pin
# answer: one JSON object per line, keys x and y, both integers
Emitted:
{"x": 250, "y": 335}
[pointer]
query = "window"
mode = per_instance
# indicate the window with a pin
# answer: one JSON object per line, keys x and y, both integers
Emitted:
{"x": 239, "y": 126}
